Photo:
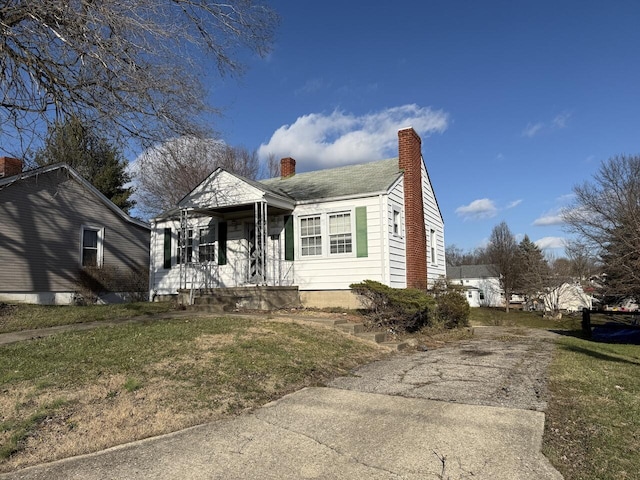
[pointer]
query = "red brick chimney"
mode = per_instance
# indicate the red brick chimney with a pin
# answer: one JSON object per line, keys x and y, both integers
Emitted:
{"x": 10, "y": 166}
{"x": 410, "y": 160}
{"x": 287, "y": 167}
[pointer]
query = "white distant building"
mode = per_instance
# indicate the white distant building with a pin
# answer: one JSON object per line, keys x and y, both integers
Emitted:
{"x": 481, "y": 284}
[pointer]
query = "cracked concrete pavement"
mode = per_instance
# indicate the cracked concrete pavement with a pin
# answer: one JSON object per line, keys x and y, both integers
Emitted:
{"x": 469, "y": 410}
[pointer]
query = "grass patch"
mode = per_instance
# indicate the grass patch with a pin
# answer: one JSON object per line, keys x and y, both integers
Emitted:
{"x": 591, "y": 432}
{"x": 132, "y": 381}
{"x": 26, "y": 317}
{"x": 518, "y": 318}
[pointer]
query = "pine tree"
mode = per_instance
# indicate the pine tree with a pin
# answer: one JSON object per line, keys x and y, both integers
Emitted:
{"x": 91, "y": 156}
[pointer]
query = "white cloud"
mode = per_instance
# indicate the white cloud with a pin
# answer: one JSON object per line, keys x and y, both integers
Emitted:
{"x": 549, "y": 219}
{"x": 532, "y": 129}
{"x": 546, "y": 243}
{"x": 560, "y": 120}
{"x": 556, "y": 123}
{"x": 514, "y": 204}
{"x": 312, "y": 85}
{"x": 318, "y": 140}
{"x": 478, "y": 210}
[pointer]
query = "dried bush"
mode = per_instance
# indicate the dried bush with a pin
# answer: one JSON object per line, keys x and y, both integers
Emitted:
{"x": 398, "y": 310}
{"x": 93, "y": 282}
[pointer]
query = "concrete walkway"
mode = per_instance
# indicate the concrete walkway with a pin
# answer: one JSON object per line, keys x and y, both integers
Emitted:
{"x": 386, "y": 421}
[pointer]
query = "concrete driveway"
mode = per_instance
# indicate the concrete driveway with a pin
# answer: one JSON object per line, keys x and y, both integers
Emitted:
{"x": 471, "y": 410}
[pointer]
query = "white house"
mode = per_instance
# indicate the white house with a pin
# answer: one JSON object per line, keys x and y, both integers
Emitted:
{"x": 481, "y": 284}
{"x": 317, "y": 232}
{"x": 569, "y": 297}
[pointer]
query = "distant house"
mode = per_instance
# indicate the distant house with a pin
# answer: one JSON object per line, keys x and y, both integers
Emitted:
{"x": 315, "y": 232}
{"x": 54, "y": 226}
{"x": 567, "y": 297}
{"x": 481, "y": 285}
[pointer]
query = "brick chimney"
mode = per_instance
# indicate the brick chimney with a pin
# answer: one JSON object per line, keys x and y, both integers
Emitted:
{"x": 287, "y": 167}
{"x": 10, "y": 166}
{"x": 410, "y": 160}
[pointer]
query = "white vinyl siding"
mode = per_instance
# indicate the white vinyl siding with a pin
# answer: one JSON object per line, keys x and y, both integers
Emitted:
{"x": 436, "y": 267}
{"x": 339, "y": 270}
{"x": 397, "y": 246}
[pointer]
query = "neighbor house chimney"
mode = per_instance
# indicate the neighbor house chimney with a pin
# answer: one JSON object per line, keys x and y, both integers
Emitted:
{"x": 410, "y": 160}
{"x": 10, "y": 166}
{"x": 287, "y": 167}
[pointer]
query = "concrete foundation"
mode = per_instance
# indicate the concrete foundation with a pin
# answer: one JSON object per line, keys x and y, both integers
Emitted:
{"x": 330, "y": 299}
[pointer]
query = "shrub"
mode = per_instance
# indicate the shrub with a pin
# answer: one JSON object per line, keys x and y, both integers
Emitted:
{"x": 396, "y": 309}
{"x": 452, "y": 308}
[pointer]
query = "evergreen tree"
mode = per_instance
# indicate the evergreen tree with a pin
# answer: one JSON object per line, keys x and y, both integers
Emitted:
{"x": 91, "y": 156}
{"x": 534, "y": 268}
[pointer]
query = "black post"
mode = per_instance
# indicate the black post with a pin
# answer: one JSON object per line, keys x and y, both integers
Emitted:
{"x": 586, "y": 322}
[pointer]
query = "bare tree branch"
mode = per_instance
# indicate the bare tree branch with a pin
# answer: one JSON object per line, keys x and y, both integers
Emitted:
{"x": 127, "y": 67}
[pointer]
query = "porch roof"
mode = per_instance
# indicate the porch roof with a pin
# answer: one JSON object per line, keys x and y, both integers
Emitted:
{"x": 358, "y": 179}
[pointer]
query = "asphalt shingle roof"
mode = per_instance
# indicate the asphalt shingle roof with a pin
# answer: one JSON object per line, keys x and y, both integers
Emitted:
{"x": 470, "y": 271}
{"x": 338, "y": 182}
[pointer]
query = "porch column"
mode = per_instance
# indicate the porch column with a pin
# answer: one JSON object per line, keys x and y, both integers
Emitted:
{"x": 260, "y": 259}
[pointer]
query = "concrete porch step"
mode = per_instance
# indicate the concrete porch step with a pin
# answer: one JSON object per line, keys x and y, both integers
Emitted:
{"x": 351, "y": 327}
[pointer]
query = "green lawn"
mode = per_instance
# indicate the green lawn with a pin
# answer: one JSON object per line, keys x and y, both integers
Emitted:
{"x": 84, "y": 391}
{"x": 593, "y": 420}
{"x": 26, "y": 317}
{"x": 498, "y": 317}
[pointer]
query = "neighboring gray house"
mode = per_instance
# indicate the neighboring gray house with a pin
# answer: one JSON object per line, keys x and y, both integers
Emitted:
{"x": 52, "y": 223}
{"x": 481, "y": 284}
{"x": 314, "y": 232}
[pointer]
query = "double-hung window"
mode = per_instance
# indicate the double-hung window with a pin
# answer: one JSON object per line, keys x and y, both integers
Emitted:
{"x": 206, "y": 244}
{"x": 91, "y": 254}
{"x": 340, "y": 240}
{"x": 310, "y": 236}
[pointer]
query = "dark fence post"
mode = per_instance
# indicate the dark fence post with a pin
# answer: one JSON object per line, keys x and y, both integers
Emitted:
{"x": 586, "y": 322}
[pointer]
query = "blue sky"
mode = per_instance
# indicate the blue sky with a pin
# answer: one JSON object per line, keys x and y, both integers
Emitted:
{"x": 516, "y": 101}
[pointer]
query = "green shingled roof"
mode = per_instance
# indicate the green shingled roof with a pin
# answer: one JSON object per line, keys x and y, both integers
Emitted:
{"x": 338, "y": 182}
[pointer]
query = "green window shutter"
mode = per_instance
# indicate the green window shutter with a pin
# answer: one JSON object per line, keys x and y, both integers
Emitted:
{"x": 362, "y": 248}
{"x": 288, "y": 237}
{"x": 222, "y": 243}
{"x": 167, "y": 248}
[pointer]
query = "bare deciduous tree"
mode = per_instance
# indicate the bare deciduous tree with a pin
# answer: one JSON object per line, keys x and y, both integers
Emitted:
{"x": 130, "y": 68}
{"x": 606, "y": 217}
{"x": 502, "y": 252}
{"x": 166, "y": 173}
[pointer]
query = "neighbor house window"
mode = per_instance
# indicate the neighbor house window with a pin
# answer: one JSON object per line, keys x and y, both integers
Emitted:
{"x": 91, "y": 255}
{"x": 189, "y": 246}
{"x": 470, "y": 294}
{"x": 206, "y": 244}
{"x": 340, "y": 233}
{"x": 481, "y": 293}
{"x": 310, "y": 236}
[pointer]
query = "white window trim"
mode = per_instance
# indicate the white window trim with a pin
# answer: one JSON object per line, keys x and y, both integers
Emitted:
{"x": 100, "y": 246}
{"x": 395, "y": 209}
{"x": 324, "y": 234}
{"x": 433, "y": 247}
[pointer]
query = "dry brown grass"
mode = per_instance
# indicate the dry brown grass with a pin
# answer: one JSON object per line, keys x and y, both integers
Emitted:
{"x": 218, "y": 367}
